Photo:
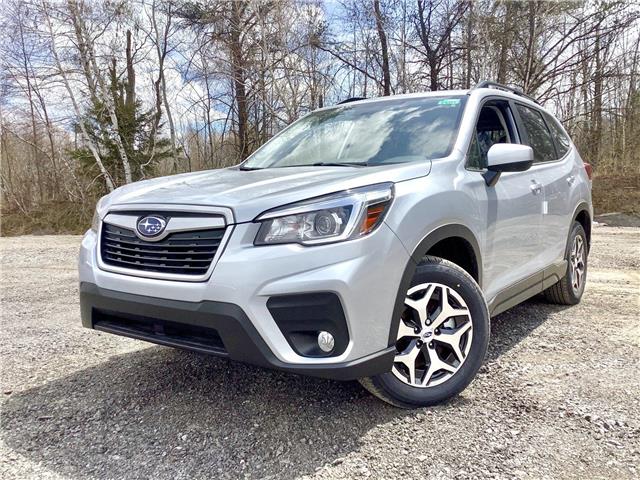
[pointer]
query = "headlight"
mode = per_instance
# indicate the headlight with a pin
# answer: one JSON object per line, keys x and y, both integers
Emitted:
{"x": 95, "y": 221}
{"x": 332, "y": 218}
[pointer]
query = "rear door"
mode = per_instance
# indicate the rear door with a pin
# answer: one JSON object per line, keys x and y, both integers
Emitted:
{"x": 560, "y": 179}
{"x": 553, "y": 169}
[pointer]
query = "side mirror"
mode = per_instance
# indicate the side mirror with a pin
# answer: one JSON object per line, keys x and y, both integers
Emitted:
{"x": 507, "y": 157}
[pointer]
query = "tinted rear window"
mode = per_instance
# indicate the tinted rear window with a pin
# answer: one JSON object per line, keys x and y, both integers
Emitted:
{"x": 539, "y": 136}
{"x": 562, "y": 140}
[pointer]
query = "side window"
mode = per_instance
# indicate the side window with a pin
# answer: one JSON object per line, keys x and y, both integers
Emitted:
{"x": 539, "y": 136}
{"x": 562, "y": 140}
{"x": 474, "y": 159}
{"x": 492, "y": 128}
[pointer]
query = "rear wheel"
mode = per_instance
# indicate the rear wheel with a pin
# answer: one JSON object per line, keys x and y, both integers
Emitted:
{"x": 569, "y": 290}
{"x": 441, "y": 340}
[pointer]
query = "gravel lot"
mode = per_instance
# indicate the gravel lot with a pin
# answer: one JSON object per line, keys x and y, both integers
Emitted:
{"x": 559, "y": 395}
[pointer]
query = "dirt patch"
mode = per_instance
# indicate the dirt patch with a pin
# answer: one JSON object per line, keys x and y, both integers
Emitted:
{"x": 619, "y": 220}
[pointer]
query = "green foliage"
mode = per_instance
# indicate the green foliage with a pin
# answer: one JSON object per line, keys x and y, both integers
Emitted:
{"x": 137, "y": 129}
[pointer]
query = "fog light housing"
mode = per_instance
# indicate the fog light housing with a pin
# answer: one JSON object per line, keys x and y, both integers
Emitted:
{"x": 305, "y": 318}
{"x": 326, "y": 341}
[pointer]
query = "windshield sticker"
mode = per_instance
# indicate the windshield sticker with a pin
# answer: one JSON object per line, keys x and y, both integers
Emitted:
{"x": 449, "y": 101}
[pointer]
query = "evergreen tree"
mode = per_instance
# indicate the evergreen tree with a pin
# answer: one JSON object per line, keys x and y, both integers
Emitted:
{"x": 144, "y": 149}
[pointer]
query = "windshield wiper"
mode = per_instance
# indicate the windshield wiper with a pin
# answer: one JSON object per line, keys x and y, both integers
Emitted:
{"x": 317, "y": 164}
{"x": 340, "y": 164}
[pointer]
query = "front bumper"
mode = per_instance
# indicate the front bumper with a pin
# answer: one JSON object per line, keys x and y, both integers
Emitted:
{"x": 217, "y": 328}
{"x": 364, "y": 274}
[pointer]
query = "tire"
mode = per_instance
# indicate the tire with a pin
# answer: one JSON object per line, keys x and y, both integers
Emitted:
{"x": 427, "y": 336}
{"x": 565, "y": 292}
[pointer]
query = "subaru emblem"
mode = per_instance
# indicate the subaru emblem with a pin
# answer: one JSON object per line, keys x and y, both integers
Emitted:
{"x": 151, "y": 226}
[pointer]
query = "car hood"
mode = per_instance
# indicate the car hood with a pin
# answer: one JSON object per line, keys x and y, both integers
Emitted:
{"x": 250, "y": 192}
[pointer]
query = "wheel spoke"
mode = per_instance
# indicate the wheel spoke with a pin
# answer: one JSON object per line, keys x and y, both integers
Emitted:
{"x": 405, "y": 331}
{"x": 435, "y": 365}
{"x": 420, "y": 305}
{"x": 408, "y": 359}
{"x": 446, "y": 310}
{"x": 454, "y": 338}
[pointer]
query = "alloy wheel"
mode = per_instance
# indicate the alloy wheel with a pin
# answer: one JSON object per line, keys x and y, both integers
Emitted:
{"x": 577, "y": 263}
{"x": 434, "y": 335}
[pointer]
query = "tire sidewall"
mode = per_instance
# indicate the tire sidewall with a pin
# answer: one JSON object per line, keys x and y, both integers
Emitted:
{"x": 452, "y": 276}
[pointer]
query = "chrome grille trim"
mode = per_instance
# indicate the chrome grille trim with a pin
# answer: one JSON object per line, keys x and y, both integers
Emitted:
{"x": 174, "y": 224}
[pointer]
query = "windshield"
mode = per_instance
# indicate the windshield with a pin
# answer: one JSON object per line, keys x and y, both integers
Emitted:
{"x": 377, "y": 133}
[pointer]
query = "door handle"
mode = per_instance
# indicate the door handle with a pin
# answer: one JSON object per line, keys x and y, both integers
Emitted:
{"x": 536, "y": 188}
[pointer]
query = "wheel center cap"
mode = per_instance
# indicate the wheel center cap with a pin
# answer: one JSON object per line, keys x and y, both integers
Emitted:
{"x": 426, "y": 334}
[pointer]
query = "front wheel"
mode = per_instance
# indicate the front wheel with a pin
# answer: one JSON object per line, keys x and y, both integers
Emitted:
{"x": 441, "y": 340}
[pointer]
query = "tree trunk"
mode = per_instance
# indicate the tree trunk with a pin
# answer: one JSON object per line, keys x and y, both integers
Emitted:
{"x": 161, "y": 85}
{"x": 107, "y": 96}
{"x": 433, "y": 72}
{"x": 596, "y": 112}
{"x": 505, "y": 42}
{"x": 34, "y": 129}
{"x": 386, "y": 75}
{"x": 94, "y": 151}
{"x": 530, "y": 50}
{"x": 130, "y": 85}
{"x": 240, "y": 93}
{"x": 469, "y": 47}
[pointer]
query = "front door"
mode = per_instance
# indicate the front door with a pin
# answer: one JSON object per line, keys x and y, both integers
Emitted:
{"x": 513, "y": 221}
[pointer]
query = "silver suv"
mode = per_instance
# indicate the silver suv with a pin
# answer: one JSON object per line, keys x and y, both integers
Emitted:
{"x": 371, "y": 240}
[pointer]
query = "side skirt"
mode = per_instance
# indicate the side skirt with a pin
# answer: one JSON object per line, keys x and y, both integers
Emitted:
{"x": 527, "y": 288}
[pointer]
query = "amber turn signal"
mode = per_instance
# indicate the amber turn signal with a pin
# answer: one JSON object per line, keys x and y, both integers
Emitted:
{"x": 374, "y": 214}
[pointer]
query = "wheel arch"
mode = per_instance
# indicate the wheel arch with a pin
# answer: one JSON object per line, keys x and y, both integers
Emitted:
{"x": 444, "y": 233}
{"x": 582, "y": 215}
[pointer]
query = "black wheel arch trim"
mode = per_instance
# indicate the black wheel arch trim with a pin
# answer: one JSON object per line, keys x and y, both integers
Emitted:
{"x": 438, "y": 234}
{"x": 583, "y": 206}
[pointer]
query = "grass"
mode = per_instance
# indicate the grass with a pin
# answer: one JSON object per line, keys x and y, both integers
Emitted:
{"x": 616, "y": 193}
{"x": 48, "y": 219}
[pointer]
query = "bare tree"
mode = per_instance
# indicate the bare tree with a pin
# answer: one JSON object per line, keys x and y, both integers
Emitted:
{"x": 63, "y": 75}
{"x": 435, "y": 22}
{"x": 161, "y": 40}
{"x": 96, "y": 80}
{"x": 384, "y": 49}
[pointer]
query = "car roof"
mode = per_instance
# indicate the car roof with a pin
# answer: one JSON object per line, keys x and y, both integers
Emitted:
{"x": 478, "y": 92}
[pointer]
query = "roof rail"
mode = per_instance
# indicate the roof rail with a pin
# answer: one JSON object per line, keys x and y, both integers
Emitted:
{"x": 352, "y": 99}
{"x": 499, "y": 86}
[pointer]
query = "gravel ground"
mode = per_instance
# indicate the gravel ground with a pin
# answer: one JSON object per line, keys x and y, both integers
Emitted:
{"x": 559, "y": 395}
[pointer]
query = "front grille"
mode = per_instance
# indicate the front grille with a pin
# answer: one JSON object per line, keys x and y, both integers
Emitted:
{"x": 183, "y": 253}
